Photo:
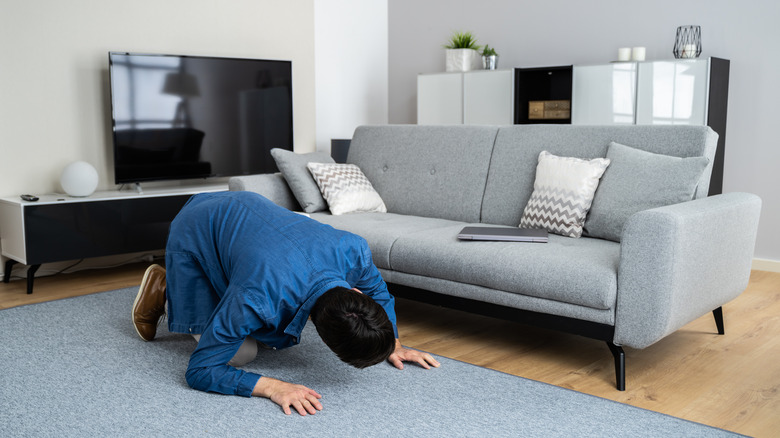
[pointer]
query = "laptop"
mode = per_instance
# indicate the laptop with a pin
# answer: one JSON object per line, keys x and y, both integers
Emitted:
{"x": 503, "y": 234}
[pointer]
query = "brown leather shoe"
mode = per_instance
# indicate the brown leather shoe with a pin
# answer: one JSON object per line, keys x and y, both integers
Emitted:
{"x": 149, "y": 304}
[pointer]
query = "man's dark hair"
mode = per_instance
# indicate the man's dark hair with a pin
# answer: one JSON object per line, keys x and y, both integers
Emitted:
{"x": 354, "y": 326}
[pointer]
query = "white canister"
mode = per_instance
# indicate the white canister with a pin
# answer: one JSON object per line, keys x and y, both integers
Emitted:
{"x": 638, "y": 54}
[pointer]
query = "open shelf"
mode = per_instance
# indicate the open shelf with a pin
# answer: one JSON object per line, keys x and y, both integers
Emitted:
{"x": 541, "y": 84}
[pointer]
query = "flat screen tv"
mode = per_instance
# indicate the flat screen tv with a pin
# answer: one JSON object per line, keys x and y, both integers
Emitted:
{"x": 183, "y": 117}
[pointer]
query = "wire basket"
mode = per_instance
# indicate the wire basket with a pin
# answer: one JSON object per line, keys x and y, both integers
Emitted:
{"x": 688, "y": 42}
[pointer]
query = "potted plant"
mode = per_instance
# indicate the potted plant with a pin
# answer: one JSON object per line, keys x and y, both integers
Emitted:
{"x": 462, "y": 52}
{"x": 489, "y": 58}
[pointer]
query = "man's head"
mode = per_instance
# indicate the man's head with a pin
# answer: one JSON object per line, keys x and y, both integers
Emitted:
{"x": 354, "y": 326}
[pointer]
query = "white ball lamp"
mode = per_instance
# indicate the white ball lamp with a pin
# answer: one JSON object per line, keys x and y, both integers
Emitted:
{"x": 79, "y": 179}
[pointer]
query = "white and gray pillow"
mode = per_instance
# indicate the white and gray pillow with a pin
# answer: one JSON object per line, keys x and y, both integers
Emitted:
{"x": 346, "y": 188}
{"x": 304, "y": 188}
{"x": 563, "y": 193}
{"x": 639, "y": 180}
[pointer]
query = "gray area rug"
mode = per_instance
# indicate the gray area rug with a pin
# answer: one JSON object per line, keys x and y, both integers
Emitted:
{"x": 76, "y": 367}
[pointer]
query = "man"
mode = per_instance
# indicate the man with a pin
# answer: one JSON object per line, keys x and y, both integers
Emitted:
{"x": 242, "y": 272}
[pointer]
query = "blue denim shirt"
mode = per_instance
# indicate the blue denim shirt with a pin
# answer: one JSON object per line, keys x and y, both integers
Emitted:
{"x": 238, "y": 265}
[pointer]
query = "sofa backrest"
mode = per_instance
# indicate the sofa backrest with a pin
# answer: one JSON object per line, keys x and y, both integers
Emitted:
{"x": 486, "y": 173}
{"x": 515, "y": 156}
{"x": 432, "y": 171}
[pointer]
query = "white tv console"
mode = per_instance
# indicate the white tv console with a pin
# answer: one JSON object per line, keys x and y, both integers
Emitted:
{"x": 59, "y": 227}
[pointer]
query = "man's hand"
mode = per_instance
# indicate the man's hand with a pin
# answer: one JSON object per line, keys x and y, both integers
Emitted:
{"x": 287, "y": 395}
{"x": 401, "y": 355}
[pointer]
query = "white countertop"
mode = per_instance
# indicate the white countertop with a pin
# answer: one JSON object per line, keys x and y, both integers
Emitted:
{"x": 108, "y": 195}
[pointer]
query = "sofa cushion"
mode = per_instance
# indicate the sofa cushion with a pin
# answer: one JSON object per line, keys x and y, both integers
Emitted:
{"x": 563, "y": 193}
{"x": 381, "y": 230}
{"x": 431, "y": 171}
{"x": 346, "y": 188}
{"x": 304, "y": 188}
{"x": 576, "y": 271}
{"x": 637, "y": 180}
{"x": 512, "y": 167}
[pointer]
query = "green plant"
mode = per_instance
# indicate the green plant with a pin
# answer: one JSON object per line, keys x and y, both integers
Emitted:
{"x": 462, "y": 40}
{"x": 489, "y": 51}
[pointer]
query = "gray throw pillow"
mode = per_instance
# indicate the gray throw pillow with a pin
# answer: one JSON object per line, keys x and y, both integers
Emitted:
{"x": 639, "y": 180}
{"x": 302, "y": 184}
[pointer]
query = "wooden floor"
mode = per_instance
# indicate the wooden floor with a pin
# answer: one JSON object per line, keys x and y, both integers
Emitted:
{"x": 731, "y": 382}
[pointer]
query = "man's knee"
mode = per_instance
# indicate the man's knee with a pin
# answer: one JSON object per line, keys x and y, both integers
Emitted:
{"x": 246, "y": 353}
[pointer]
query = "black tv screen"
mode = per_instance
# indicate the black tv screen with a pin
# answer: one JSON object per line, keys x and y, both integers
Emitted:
{"x": 182, "y": 117}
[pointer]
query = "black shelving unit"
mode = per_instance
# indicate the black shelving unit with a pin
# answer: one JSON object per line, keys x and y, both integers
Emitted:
{"x": 716, "y": 117}
{"x": 541, "y": 83}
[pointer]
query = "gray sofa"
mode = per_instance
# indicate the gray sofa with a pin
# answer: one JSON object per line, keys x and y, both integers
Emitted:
{"x": 669, "y": 265}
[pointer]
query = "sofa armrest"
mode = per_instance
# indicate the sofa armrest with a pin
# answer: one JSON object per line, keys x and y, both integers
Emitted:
{"x": 682, "y": 261}
{"x": 271, "y": 185}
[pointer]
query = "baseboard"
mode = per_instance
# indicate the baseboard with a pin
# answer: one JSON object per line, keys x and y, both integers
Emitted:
{"x": 766, "y": 265}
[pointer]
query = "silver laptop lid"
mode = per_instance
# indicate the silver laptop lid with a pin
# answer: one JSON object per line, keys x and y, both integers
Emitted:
{"x": 503, "y": 234}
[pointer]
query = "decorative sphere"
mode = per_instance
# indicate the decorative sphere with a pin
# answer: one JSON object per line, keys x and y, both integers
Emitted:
{"x": 79, "y": 179}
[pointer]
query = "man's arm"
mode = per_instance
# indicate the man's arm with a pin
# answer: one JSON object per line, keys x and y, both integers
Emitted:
{"x": 234, "y": 319}
{"x": 208, "y": 369}
{"x": 372, "y": 284}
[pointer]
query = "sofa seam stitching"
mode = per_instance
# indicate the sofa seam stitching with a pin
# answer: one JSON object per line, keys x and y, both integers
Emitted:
{"x": 487, "y": 175}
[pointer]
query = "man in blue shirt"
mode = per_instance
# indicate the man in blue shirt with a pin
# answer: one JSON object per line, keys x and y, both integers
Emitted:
{"x": 242, "y": 271}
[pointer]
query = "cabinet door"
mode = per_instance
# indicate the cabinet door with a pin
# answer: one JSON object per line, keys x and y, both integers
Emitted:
{"x": 440, "y": 99}
{"x": 489, "y": 97}
{"x": 12, "y": 230}
{"x": 673, "y": 92}
{"x": 74, "y": 230}
{"x": 604, "y": 94}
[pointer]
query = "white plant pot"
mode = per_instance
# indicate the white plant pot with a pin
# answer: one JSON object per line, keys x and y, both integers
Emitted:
{"x": 463, "y": 60}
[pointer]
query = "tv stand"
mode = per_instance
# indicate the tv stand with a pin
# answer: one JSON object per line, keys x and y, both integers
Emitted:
{"x": 138, "y": 188}
{"x": 58, "y": 227}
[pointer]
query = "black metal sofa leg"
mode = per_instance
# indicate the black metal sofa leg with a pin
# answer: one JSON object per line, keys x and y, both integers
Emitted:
{"x": 718, "y": 314}
{"x": 620, "y": 365}
{"x": 620, "y": 355}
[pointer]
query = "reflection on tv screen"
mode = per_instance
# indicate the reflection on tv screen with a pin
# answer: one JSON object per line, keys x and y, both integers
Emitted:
{"x": 179, "y": 117}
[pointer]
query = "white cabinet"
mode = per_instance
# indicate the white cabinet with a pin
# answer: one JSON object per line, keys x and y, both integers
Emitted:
{"x": 604, "y": 94}
{"x": 679, "y": 91}
{"x": 644, "y": 93}
{"x": 440, "y": 99}
{"x": 483, "y": 97}
{"x": 488, "y": 97}
{"x": 59, "y": 227}
{"x": 672, "y": 92}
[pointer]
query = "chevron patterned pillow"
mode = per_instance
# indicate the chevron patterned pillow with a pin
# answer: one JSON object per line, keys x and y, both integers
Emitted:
{"x": 563, "y": 193}
{"x": 346, "y": 188}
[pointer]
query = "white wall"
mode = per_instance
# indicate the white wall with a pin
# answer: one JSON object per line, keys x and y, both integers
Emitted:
{"x": 561, "y": 32}
{"x": 351, "y": 66}
{"x": 54, "y": 97}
